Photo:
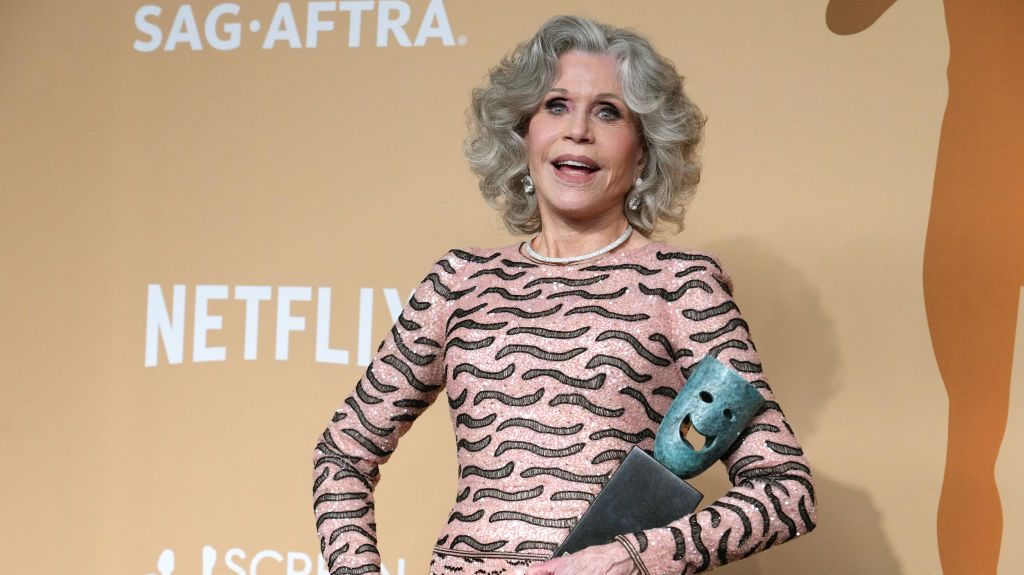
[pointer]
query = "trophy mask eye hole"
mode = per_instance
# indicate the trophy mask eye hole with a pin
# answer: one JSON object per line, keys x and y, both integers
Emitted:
{"x": 728, "y": 414}
{"x": 706, "y": 397}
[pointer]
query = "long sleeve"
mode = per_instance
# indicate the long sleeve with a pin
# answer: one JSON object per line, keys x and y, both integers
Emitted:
{"x": 404, "y": 378}
{"x": 772, "y": 498}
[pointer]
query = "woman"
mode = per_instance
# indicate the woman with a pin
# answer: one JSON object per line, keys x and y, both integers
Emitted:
{"x": 559, "y": 354}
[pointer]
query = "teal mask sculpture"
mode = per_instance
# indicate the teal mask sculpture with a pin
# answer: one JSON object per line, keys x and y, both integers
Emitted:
{"x": 716, "y": 403}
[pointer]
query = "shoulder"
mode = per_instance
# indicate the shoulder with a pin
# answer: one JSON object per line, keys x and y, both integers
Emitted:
{"x": 686, "y": 264}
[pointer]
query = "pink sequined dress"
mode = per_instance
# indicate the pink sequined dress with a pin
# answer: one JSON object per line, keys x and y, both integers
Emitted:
{"x": 552, "y": 373}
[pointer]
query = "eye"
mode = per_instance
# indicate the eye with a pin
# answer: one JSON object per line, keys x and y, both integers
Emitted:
{"x": 728, "y": 414}
{"x": 556, "y": 106}
{"x": 608, "y": 112}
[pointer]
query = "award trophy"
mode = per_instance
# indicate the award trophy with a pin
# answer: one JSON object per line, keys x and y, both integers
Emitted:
{"x": 647, "y": 492}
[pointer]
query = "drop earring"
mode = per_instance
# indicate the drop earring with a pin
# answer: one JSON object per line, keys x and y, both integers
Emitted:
{"x": 528, "y": 188}
{"x": 634, "y": 202}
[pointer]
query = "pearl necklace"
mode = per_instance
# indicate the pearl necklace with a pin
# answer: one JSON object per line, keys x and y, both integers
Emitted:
{"x": 572, "y": 259}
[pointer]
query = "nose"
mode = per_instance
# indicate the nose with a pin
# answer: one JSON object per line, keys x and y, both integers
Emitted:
{"x": 578, "y": 129}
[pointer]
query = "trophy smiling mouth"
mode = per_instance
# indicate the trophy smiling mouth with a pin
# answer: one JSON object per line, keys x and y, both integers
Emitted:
{"x": 706, "y": 441}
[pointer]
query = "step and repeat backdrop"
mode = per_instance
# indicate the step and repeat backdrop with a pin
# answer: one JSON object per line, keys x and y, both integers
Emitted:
{"x": 212, "y": 213}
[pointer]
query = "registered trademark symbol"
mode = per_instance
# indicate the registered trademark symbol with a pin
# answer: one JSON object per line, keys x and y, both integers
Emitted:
{"x": 462, "y": 40}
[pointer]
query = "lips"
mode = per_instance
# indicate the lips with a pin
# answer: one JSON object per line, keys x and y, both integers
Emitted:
{"x": 575, "y": 168}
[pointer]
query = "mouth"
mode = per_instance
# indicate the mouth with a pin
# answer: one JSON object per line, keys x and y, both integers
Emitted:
{"x": 575, "y": 169}
{"x": 697, "y": 441}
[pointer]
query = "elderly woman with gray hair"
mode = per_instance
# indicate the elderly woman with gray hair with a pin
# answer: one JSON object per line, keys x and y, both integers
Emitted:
{"x": 558, "y": 354}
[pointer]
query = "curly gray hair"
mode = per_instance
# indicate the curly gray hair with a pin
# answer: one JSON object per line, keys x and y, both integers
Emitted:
{"x": 670, "y": 124}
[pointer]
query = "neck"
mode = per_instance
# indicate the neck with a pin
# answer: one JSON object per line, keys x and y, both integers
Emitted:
{"x": 561, "y": 240}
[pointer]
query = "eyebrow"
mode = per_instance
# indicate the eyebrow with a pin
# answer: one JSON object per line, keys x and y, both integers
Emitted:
{"x": 601, "y": 96}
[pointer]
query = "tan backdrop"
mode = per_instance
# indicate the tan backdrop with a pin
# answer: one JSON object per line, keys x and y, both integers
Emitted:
{"x": 212, "y": 212}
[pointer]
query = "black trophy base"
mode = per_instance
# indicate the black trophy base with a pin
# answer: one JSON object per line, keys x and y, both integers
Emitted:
{"x": 641, "y": 494}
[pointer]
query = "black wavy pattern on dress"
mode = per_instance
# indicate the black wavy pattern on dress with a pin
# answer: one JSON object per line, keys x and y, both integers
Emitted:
{"x": 351, "y": 514}
{"x": 339, "y": 415}
{"x": 623, "y": 435}
{"x": 564, "y": 475}
{"x": 619, "y": 363}
{"x": 688, "y": 257}
{"x": 320, "y": 479}
{"x": 527, "y": 314}
{"x": 461, "y": 497}
{"x": 761, "y": 509}
{"x": 587, "y": 295}
{"x": 482, "y": 374}
{"x": 411, "y": 403}
{"x": 335, "y": 497}
{"x": 538, "y": 449}
{"x": 665, "y": 391}
{"x": 366, "y": 548}
{"x": 596, "y": 309}
{"x": 706, "y": 336}
{"x": 444, "y": 291}
{"x": 731, "y": 344}
{"x": 638, "y": 395}
{"x": 723, "y": 547}
{"x": 366, "y": 443}
{"x": 748, "y": 528}
{"x": 563, "y": 523}
{"x": 427, "y": 341}
{"x": 472, "y": 324}
{"x": 505, "y": 294}
{"x": 363, "y": 397}
{"x": 508, "y": 495}
{"x": 515, "y": 264}
{"x": 716, "y": 517}
{"x": 456, "y": 516}
{"x": 473, "y": 258}
{"x": 671, "y": 296}
{"x": 550, "y": 333}
{"x": 473, "y": 445}
{"x": 473, "y": 543}
{"x": 529, "y": 545}
{"x": 804, "y": 515}
{"x": 538, "y": 352}
{"x": 779, "y": 512}
{"x": 378, "y": 431}
{"x": 665, "y": 343}
{"x": 347, "y": 528}
{"x": 635, "y": 344}
{"x": 690, "y": 270}
{"x": 740, "y": 464}
{"x": 567, "y": 281}
{"x": 377, "y": 384}
{"x": 539, "y": 427}
{"x": 458, "y": 401}
{"x": 572, "y": 496}
{"x": 499, "y": 473}
{"x": 409, "y": 376}
{"x": 773, "y": 471}
{"x": 633, "y": 267}
{"x": 445, "y": 265}
{"x": 582, "y": 401}
{"x": 408, "y": 324}
{"x": 745, "y": 366}
{"x": 417, "y": 304}
{"x": 695, "y": 533}
{"x": 509, "y": 400}
{"x": 783, "y": 449}
{"x": 609, "y": 455}
{"x": 594, "y": 382}
{"x": 714, "y": 311}
{"x": 498, "y": 272}
{"x": 680, "y": 541}
{"x": 461, "y": 313}
{"x": 467, "y": 344}
{"x": 474, "y": 423}
{"x": 725, "y": 286}
{"x": 760, "y": 384}
{"x": 641, "y": 540}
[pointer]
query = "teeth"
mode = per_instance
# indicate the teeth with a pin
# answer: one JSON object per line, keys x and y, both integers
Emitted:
{"x": 575, "y": 164}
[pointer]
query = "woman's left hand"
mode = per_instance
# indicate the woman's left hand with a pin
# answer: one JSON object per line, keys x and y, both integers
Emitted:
{"x": 610, "y": 559}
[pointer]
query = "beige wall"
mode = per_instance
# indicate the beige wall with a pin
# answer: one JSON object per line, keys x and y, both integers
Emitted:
{"x": 340, "y": 167}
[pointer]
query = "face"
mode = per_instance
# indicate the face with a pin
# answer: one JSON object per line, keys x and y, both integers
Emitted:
{"x": 583, "y": 143}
